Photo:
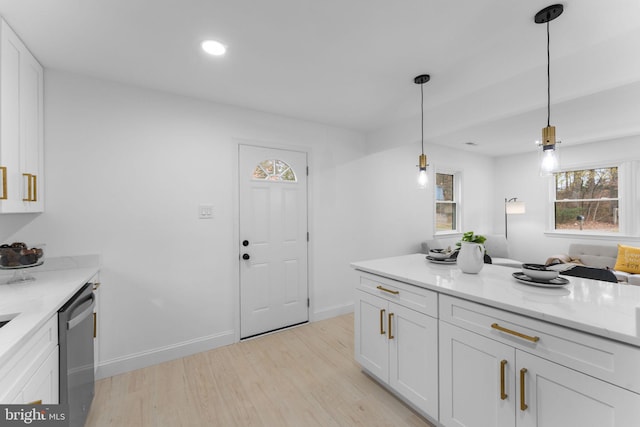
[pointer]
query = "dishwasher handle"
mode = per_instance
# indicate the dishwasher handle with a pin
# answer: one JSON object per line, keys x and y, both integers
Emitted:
{"x": 75, "y": 320}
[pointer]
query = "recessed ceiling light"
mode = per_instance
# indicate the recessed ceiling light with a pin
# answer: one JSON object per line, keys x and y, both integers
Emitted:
{"x": 213, "y": 47}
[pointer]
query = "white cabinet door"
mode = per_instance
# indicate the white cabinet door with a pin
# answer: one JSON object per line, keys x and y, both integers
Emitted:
{"x": 11, "y": 49}
{"x": 371, "y": 346}
{"x": 556, "y": 396}
{"x": 476, "y": 380}
{"x": 42, "y": 387}
{"x": 413, "y": 357}
{"x": 31, "y": 133}
{"x": 21, "y": 132}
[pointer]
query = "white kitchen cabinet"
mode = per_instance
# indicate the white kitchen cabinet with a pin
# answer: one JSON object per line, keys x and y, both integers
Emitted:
{"x": 501, "y": 376}
{"x": 397, "y": 344}
{"x": 42, "y": 387}
{"x": 21, "y": 126}
{"x": 32, "y": 373}
{"x": 476, "y": 386}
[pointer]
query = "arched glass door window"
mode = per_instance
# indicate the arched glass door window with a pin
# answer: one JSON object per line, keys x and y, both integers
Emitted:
{"x": 274, "y": 170}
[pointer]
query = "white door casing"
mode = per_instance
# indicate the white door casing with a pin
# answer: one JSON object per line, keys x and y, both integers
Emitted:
{"x": 273, "y": 239}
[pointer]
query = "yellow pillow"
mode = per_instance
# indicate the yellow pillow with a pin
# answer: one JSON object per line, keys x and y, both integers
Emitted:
{"x": 628, "y": 259}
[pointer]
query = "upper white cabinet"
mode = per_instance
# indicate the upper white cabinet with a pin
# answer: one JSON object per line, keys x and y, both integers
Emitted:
{"x": 21, "y": 126}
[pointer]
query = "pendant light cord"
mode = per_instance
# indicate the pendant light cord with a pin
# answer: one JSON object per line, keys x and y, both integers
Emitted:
{"x": 548, "y": 80}
{"x": 422, "y": 115}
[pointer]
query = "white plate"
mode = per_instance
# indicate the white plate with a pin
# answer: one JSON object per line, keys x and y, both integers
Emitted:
{"x": 553, "y": 283}
{"x": 441, "y": 261}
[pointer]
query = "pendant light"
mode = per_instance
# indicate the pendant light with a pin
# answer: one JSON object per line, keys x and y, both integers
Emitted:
{"x": 549, "y": 156}
{"x": 423, "y": 178}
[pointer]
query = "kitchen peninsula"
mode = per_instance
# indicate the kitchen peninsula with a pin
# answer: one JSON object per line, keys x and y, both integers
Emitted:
{"x": 484, "y": 349}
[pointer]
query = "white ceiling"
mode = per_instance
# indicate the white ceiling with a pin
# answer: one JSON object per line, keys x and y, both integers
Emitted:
{"x": 351, "y": 63}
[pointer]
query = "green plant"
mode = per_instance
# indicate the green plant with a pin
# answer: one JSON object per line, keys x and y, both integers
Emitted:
{"x": 470, "y": 237}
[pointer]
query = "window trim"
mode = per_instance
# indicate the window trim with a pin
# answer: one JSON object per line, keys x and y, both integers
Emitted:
{"x": 628, "y": 225}
{"x": 457, "y": 199}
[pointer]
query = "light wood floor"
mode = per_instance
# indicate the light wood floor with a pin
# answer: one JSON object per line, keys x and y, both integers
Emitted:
{"x": 300, "y": 377}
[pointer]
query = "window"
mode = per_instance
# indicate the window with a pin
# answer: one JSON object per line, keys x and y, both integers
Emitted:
{"x": 587, "y": 200}
{"x": 447, "y": 215}
{"x": 274, "y": 170}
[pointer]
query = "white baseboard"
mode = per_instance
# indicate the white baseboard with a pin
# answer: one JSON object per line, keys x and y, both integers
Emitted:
{"x": 119, "y": 365}
{"x": 330, "y": 312}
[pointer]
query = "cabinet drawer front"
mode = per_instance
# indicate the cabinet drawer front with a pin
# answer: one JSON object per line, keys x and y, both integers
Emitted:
{"x": 608, "y": 360}
{"x": 23, "y": 364}
{"x": 413, "y": 297}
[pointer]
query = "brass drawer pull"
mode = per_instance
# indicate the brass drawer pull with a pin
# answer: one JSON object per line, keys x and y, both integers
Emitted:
{"x": 35, "y": 402}
{"x": 523, "y": 406}
{"x": 4, "y": 196}
{"x": 517, "y": 334}
{"x": 390, "y": 327}
{"x": 382, "y": 288}
{"x": 503, "y": 395}
{"x": 382, "y": 332}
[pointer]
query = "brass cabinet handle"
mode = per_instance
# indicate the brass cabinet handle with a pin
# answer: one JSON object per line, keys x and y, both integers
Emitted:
{"x": 523, "y": 406}
{"x": 382, "y": 332}
{"x": 382, "y": 288}
{"x": 503, "y": 364}
{"x": 516, "y": 333}
{"x": 29, "y": 187}
{"x": 35, "y": 402}
{"x": 35, "y": 188}
{"x": 32, "y": 188}
{"x": 95, "y": 324}
{"x": 390, "y": 327}
{"x": 3, "y": 170}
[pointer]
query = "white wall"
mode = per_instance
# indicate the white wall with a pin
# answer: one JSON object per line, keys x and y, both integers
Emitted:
{"x": 518, "y": 176}
{"x": 125, "y": 170}
{"x": 399, "y": 216}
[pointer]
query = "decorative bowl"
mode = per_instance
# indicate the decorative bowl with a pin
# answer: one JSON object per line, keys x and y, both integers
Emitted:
{"x": 539, "y": 271}
{"x": 20, "y": 255}
{"x": 439, "y": 253}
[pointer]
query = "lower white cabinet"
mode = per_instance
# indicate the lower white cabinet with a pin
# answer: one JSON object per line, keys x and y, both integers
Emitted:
{"x": 42, "y": 387}
{"x": 466, "y": 364}
{"x": 31, "y": 375}
{"x": 398, "y": 346}
{"x": 484, "y": 382}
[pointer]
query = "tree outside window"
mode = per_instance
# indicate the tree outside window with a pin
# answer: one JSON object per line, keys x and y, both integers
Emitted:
{"x": 446, "y": 203}
{"x": 587, "y": 199}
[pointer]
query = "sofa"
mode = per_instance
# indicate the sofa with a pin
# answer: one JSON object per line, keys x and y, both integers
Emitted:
{"x": 595, "y": 256}
{"x": 496, "y": 247}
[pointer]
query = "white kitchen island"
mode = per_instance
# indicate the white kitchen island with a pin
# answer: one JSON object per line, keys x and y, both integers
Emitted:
{"x": 485, "y": 350}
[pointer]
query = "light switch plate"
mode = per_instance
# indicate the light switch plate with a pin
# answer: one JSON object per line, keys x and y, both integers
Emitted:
{"x": 205, "y": 211}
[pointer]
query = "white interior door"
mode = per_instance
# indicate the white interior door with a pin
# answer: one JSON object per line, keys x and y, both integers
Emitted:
{"x": 273, "y": 239}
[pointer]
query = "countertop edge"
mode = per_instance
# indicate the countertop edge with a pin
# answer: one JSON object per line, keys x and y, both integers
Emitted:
{"x": 521, "y": 310}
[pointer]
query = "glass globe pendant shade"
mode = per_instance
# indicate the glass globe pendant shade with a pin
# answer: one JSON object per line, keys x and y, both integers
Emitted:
{"x": 549, "y": 158}
{"x": 423, "y": 178}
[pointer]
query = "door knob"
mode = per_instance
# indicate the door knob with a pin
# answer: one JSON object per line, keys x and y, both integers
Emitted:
{"x": 246, "y": 256}
{"x": 245, "y": 243}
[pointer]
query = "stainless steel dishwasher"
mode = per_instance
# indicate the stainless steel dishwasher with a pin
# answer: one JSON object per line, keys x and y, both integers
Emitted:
{"x": 75, "y": 337}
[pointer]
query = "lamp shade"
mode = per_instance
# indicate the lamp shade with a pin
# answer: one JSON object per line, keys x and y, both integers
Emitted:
{"x": 515, "y": 208}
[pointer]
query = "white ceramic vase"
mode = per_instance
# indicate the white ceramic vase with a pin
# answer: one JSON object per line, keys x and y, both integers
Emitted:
{"x": 471, "y": 257}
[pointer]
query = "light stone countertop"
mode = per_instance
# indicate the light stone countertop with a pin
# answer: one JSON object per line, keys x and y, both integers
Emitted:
{"x": 36, "y": 301}
{"x": 605, "y": 309}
